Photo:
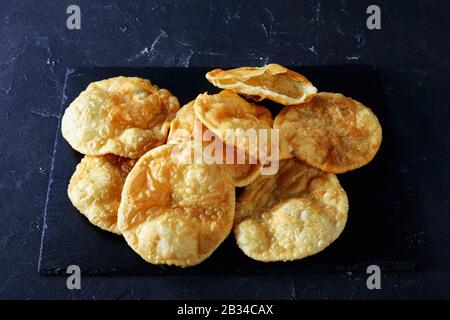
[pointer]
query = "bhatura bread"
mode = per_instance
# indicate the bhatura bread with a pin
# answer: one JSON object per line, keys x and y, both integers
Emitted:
{"x": 176, "y": 212}
{"x": 331, "y": 132}
{"x": 291, "y": 215}
{"x": 272, "y": 81}
{"x": 96, "y": 186}
{"x": 125, "y": 116}
{"x": 182, "y": 129}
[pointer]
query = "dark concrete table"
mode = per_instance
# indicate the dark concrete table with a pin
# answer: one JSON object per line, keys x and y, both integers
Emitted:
{"x": 412, "y": 51}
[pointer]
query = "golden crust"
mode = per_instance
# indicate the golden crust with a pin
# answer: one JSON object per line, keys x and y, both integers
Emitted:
{"x": 331, "y": 132}
{"x": 173, "y": 212}
{"x": 182, "y": 129}
{"x": 242, "y": 174}
{"x": 228, "y": 112}
{"x": 126, "y": 116}
{"x": 272, "y": 81}
{"x": 291, "y": 215}
{"x": 182, "y": 126}
{"x": 95, "y": 188}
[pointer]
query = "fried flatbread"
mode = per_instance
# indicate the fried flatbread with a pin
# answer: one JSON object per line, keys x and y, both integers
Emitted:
{"x": 237, "y": 122}
{"x": 331, "y": 132}
{"x": 125, "y": 116}
{"x": 174, "y": 212}
{"x": 182, "y": 129}
{"x": 272, "y": 81}
{"x": 291, "y": 215}
{"x": 95, "y": 188}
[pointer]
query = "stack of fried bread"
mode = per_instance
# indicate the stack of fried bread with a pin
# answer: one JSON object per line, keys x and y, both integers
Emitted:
{"x": 141, "y": 177}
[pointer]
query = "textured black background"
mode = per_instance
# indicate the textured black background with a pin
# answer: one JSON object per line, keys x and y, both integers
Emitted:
{"x": 412, "y": 52}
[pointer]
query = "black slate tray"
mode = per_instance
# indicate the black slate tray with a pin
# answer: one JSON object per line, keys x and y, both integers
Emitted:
{"x": 377, "y": 230}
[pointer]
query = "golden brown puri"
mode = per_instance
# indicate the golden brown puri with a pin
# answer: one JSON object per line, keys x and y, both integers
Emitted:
{"x": 176, "y": 212}
{"x": 126, "y": 116}
{"x": 272, "y": 81}
{"x": 331, "y": 132}
{"x": 227, "y": 112}
{"x": 95, "y": 188}
{"x": 291, "y": 215}
{"x": 141, "y": 180}
{"x": 182, "y": 129}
